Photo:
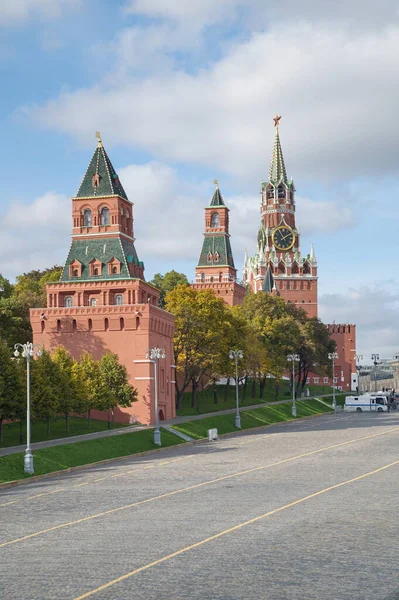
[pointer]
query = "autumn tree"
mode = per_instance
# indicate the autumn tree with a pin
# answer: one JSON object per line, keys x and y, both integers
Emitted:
{"x": 202, "y": 326}
{"x": 87, "y": 373}
{"x": 30, "y": 288}
{"x": 71, "y": 393}
{"x": 166, "y": 283}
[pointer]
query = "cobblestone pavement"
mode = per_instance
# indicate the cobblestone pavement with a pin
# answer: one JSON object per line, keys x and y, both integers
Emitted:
{"x": 303, "y": 511}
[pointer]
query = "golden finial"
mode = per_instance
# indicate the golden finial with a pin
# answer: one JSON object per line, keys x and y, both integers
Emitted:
{"x": 276, "y": 120}
{"x": 98, "y": 135}
{"x": 215, "y": 181}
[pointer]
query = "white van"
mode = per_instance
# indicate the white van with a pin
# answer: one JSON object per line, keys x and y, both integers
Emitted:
{"x": 366, "y": 403}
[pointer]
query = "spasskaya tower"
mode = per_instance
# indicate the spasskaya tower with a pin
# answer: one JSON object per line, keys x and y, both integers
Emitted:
{"x": 279, "y": 265}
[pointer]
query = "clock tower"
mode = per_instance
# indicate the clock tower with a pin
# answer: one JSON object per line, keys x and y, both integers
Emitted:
{"x": 279, "y": 265}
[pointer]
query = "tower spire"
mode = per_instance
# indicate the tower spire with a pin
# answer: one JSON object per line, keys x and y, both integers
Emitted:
{"x": 277, "y": 172}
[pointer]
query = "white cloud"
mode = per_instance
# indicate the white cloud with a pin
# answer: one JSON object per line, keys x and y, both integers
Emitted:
{"x": 35, "y": 235}
{"x": 323, "y": 217}
{"x": 337, "y": 93}
{"x": 374, "y": 309}
{"x": 14, "y": 11}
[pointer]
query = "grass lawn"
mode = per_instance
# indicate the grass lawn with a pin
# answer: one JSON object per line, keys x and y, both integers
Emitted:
{"x": 265, "y": 415}
{"x": 78, "y": 425}
{"x": 57, "y": 458}
{"x": 206, "y": 404}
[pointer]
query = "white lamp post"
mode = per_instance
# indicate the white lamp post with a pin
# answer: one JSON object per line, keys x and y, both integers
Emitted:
{"x": 154, "y": 354}
{"x": 333, "y": 356}
{"x": 293, "y": 358}
{"x": 28, "y": 351}
{"x": 235, "y": 355}
{"x": 358, "y": 358}
{"x": 375, "y": 358}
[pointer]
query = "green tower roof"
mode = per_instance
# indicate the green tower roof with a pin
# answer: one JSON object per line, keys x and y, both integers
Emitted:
{"x": 218, "y": 248}
{"x": 277, "y": 172}
{"x": 268, "y": 282}
{"x": 108, "y": 183}
{"x": 217, "y": 199}
{"x": 104, "y": 250}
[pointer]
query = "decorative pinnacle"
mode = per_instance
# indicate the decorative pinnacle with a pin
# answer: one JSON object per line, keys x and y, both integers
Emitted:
{"x": 276, "y": 120}
{"x": 216, "y": 183}
{"x": 100, "y": 143}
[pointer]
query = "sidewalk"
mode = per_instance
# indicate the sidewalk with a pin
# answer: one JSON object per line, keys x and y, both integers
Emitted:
{"x": 134, "y": 428}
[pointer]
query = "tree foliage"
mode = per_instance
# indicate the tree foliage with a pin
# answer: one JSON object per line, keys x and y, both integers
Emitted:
{"x": 166, "y": 283}
{"x": 12, "y": 398}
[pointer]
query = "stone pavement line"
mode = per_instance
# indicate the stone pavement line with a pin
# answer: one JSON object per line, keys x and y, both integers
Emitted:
{"x": 192, "y": 487}
{"x": 77, "y": 485}
{"x": 231, "y": 529}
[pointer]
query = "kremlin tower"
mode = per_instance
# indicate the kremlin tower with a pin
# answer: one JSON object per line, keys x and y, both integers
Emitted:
{"x": 279, "y": 265}
{"x": 102, "y": 302}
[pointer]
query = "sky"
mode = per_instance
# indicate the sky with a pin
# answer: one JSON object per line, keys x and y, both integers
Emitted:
{"x": 184, "y": 93}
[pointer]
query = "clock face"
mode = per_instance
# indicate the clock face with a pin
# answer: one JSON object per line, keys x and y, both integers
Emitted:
{"x": 283, "y": 238}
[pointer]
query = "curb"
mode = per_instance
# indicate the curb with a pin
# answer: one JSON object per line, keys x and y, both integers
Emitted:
{"x": 18, "y": 482}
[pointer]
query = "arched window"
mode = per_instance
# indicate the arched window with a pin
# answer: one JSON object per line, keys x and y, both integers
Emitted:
{"x": 95, "y": 271}
{"x": 93, "y": 302}
{"x": 209, "y": 257}
{"x": 215, "y": 220}
{"x": 75, "y": 273}
{"x": 118, "y": 299}
{"x": 137, "y": 322}
{"x": 216, "y": 257}
{"x": 211, "y": 279}
{"x": 104, "y": 216}
{"x": 89, "y": 324}
{"x": 87, "y": 220}
{"x": 58, "y": 325}
{"x": 74, "y": 325}
{"x": 270, "y": 193}
{"x": 202, "y": 277}
{"x": 306, "y": 269}
{"x": 220, "y": 277}
{"x": 68, "y": 302}
{"x": 114, "y": 270}
{"x": 43, "y": 325}
{"x": 281, "y": 191}
{"x": 106, "y": 324}
{"x": 122, "y": 323}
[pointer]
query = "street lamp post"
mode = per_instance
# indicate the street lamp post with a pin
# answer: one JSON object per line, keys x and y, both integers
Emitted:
{"x": 358, "y": 358}
{"x": 236, "y": 354}
{"x": 293, "y": 358}
{"x": 333, "y": 356}
{"x": 154, "y": 354}
{"x": 375, "y": 358}
{"x": 28, "y": 351}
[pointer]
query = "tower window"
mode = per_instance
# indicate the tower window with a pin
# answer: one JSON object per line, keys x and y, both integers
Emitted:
{"x": 202, "y": 277}
{"x": 68, "y": 302}
{"x": 209, "y": 257}
{"x": 118, "y": 300}
{"x": 270, "y": 193}
{"x": 95, "y": 180}
{"x": 75, "y": 273}
{"x": 104, "y": 216}
{"x": 87, "y": 219}
{"x": 93, "y": 302}
{"x": 281, "y": 191}
{"x": 215, "y": 220}
{"x": 216, "y": 257}
{"x": 114, "y": 269}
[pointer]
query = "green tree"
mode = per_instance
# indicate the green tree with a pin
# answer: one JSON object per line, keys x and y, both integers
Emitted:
{"x": 87, "y": 373}
{"x": 30, "y": 288}
{"x": 12, "y": 399}
{"x": 117, "y": 381}
{"x": 46, "y": 386}
{"x": 6, "y": 288}
{"x": 315, "y": 345}
{"x": 166, "y": 283}
{"x": 203, "y": 323}
{"x": 71, "y": 394}
{"x": 14, "y": 321}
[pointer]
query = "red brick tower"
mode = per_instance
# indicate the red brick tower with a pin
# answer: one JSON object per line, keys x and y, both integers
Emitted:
{"x": 102, "y": 302}
{"x": 291, "y": 274}
{"x": 215, "y": 269}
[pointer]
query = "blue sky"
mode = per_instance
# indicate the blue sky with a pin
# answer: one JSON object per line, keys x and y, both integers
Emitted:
{"x": 184, "y": 93}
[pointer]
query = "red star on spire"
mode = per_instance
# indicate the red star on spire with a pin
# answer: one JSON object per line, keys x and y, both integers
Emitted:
{"x": 276, "y": 120}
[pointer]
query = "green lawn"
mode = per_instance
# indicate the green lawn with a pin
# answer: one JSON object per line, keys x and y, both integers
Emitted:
{"x": 78, "y": 425}
{"x": 57, "y": 458}
{"x": 265, "y": 415}
{"x": 206, "y": 404}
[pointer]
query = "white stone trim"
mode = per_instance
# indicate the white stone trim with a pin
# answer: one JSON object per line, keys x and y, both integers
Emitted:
{"x": 114, "y": 233}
